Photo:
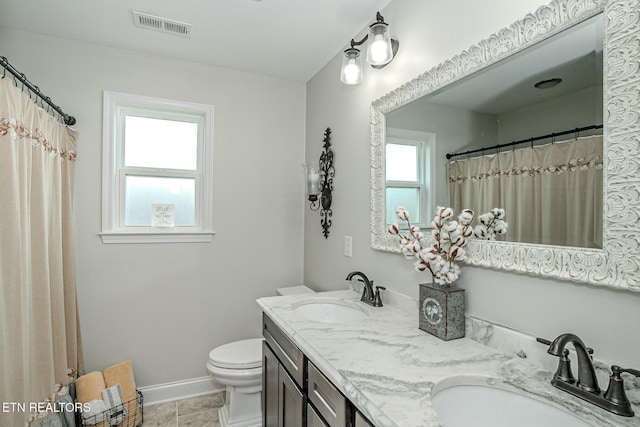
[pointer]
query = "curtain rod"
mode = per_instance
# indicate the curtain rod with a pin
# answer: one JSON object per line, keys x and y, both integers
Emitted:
{"x": 522, "y": 141}
{"x": 68, "y": 120}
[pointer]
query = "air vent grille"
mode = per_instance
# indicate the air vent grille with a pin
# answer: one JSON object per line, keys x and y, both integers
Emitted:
{"x": 157, "y": 23}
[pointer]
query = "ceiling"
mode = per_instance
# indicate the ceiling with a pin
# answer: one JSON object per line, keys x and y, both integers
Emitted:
{"x": 291, "y": 39}
{"x": 573, "y": 55}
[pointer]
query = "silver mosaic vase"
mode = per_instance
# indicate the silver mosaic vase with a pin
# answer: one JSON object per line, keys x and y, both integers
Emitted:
{"x": 442, "y": 311}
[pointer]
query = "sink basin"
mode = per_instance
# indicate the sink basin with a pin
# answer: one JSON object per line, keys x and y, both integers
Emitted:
{"x": 480, "y": 406}
{"x": 330, "y": 312}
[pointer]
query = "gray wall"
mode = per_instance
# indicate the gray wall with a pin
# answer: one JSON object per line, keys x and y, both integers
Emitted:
{"x": 165, "y": 306}
{"x": 429, "y": 33}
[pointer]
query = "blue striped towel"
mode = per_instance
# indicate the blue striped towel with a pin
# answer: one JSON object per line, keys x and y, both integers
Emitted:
{"x": 112, "y": 397}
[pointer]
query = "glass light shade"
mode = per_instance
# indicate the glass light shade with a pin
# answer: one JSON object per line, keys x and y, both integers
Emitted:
{"x": 351, "y": 73}
{"x": 379, "y": 50}
{"x": 313, "y": 179}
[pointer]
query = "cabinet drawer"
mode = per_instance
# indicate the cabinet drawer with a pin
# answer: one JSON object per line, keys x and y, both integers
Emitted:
{"x": 313, "y": 419}
{"x": 289, "y": 355}
{"x": 326, "y": 398}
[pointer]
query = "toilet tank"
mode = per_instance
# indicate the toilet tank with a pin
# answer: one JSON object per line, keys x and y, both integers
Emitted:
{"x": 294, "y": 290}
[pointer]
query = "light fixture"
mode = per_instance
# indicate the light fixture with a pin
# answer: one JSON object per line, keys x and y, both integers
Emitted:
{"x": 320, "y": 183}
{"x": 381, "y": 50}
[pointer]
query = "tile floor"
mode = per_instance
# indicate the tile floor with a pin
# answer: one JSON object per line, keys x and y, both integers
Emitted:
{"x": 200, "y": 411}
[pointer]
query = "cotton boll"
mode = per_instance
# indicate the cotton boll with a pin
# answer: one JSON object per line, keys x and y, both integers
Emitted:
{"x": 468, "y": 232}
{"x": 460, "y": 255}
{"x": 466, "y": 216}
{"x": 394, "y": 229}
{"x": 445, "y": 213}
{"x": 480, "y": 231}
{"x": 501, "y": 227}
{"x": 452, "y": 227}
{"x": 407, "y": 252}
{"x": 428, "y": 254}
{"x": 420, "y": 265}
{"x": 402, "y": 213}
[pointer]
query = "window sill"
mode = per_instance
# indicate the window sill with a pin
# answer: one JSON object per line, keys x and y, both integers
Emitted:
{"x": 157, "y": 237}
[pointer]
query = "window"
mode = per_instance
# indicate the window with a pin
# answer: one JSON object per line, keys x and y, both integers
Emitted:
{"x": 409, "y": 175}
{"x": 157, "y": 170}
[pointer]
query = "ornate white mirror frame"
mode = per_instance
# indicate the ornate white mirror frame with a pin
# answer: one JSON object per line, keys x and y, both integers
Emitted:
{"x": 617, "y": 264}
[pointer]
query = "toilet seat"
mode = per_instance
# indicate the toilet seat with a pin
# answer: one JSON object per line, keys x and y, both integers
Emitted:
{"x": 241, "y": 355}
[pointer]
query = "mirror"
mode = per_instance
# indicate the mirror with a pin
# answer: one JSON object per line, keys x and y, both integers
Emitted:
{"x": 497, "y": 105}
{"x": 616, "y": 259}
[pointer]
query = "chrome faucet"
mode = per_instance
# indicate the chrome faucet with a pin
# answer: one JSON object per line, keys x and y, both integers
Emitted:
{"x": 586, "y": 388}
{"x": 369, "y": 296}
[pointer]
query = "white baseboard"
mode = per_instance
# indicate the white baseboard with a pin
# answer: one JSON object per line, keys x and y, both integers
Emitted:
{"x": 179, "y": 390}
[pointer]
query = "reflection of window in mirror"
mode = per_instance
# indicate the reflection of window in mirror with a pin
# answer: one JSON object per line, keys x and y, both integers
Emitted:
{"x": 409, "y": 174}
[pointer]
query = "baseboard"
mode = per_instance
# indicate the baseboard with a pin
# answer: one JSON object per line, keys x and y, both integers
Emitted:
{"x": 179, "y": 390}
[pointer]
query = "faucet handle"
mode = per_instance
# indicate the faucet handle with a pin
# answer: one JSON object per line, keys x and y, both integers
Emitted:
{"x": 377, "y": 301}
{"x": 615, "y": 392}
{"x": 615, "y": 369}
{"x": 563, "y": 372}
{"x": 543, "y": 341}
{"x": 548, "y": 342}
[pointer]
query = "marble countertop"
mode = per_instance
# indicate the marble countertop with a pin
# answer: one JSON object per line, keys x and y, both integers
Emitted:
{"x": 388, "y": 368}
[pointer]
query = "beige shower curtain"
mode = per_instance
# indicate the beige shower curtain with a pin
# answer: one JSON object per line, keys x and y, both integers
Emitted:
{"x": 552, "y": 194}
{"x": 39, "y": 333}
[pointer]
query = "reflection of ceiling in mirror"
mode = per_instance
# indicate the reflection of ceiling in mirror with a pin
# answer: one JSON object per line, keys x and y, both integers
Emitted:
{"x": 574, "y": 55}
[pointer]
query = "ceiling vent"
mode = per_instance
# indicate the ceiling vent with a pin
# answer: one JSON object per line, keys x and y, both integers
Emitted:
{"x": 152, "y": 22}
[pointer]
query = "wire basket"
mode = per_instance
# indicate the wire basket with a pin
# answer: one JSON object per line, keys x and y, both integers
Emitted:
{"x": 129, "y": 414}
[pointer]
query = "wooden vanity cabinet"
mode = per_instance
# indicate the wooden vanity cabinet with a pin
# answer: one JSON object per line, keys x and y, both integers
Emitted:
{"x": 283, "y": 398}
{"x": 295, "y": 393}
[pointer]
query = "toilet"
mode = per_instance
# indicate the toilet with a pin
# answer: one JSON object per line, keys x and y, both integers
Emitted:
{"x": 238, "y": 366}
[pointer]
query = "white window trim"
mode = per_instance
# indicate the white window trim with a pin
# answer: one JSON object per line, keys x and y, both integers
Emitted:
{"x": 113, "y": 102}
{"x": 426, "y": 143}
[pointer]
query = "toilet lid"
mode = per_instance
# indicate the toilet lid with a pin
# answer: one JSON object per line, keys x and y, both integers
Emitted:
{"x": 243, "y": 354}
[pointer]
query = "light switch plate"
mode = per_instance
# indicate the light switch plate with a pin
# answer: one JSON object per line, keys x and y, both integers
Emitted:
{"x": 348, "y": 246}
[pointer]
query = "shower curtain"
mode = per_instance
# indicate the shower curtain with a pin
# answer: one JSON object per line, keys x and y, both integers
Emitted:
{"x": 39, "y": 333}
{"x": 552, "y": 194}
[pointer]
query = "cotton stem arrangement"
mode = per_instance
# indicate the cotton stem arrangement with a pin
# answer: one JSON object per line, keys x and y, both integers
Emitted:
{"x": 440, "y": 256}
{"x": 449, "y": 242}
{"x": 491, "y": 224}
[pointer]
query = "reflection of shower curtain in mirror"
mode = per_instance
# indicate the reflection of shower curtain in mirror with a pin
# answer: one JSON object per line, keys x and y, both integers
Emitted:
{"x": 552, "y": 194}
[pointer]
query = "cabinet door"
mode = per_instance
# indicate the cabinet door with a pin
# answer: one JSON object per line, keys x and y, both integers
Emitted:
{"x": 292, "y": 401}
{"x": 313, "y": 419}
{"x": 270, "y": 372}
{"x": 361, "y": 421}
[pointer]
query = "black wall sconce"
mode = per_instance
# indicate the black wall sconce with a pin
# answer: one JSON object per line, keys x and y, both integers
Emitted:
{"x": 381, "y": 50}
{"x": 320, "y": 183}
